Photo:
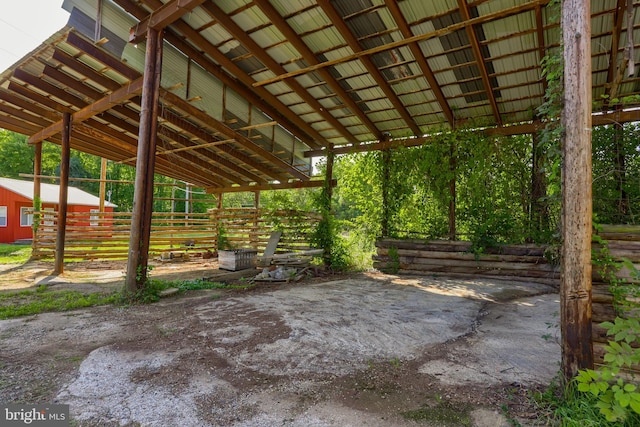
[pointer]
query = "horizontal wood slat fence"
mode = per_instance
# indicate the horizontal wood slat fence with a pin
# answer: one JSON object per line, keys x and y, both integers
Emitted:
{"x": 513, "y": 262}
{"x": 96, "y": 235}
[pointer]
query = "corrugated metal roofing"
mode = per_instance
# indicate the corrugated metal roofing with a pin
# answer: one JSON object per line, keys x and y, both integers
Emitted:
{"x": 238, "y": 119}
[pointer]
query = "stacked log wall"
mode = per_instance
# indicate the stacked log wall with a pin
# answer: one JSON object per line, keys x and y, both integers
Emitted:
{"x": 622, "y": 242}
{"x": 454, "y": 258}
{"x": 530, "y": 263}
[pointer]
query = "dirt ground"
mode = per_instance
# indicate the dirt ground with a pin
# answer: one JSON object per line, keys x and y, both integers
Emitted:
{"x": 339, "y": 350}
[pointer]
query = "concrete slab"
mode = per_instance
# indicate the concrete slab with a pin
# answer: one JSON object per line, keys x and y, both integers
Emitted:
{"x": 357, "y": 351}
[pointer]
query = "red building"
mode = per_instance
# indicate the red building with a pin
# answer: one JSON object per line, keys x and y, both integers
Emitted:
{"x": 16, "y": 200}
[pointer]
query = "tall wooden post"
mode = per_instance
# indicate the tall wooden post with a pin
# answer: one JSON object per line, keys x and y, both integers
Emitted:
{"x": 328, "y": 177}
{"x": 137, "y": 263}
{"x": 103, "y": 183}
{"x": 37, "y": 201}
{"x": 327, "y": 205}
{"x": 64, "y": 190}
{"x": 538, "y": 207}
{"x": 453, "y": 164}
{"x": 620, "y": 172}
{"x": 386, "y": 175}
{"x": 575, "y": 285}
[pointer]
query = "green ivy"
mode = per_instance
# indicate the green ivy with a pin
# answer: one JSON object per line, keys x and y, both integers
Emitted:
{"x": 618, "y": 396}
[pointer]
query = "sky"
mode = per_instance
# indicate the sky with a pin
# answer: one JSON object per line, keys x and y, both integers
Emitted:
{"x": 25, "y": 24}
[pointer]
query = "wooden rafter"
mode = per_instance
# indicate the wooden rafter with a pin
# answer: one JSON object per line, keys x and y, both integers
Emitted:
{"x": 169, "y": 98}
{"x": 480, "y": 60}
{"x": 257, "y": 51}
{"x": 541, "y": 42}
{"x": 616, "y": 69}
{"x": 199, "y": 48}
{"x": 293, "y": 38}
{"x": 273, "y": 186}
{"x": 222, "y": 128}
{"x": 117, "y": 97}
{"x": 353, "y": 43}
{"x": 519, "y": 129}
{"x": 166, "y": 15}
{"x": 417, "y": 38}
{"x": 421, "y": 61}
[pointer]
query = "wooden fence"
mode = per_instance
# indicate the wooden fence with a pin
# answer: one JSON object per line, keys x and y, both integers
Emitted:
{"x": 454, "y": 258}
{"x": 534, "y": 263}
{"x": 106, "y": 235}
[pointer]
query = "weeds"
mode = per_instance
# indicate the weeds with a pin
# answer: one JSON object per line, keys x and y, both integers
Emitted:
{"x": 565, "y": 406}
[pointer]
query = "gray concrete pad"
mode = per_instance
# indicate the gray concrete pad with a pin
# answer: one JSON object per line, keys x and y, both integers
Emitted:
{"x": 191, "y": 360}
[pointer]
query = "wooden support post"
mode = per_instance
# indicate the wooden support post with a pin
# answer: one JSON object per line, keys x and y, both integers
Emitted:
{"x": 575, "y": 282}
{"x": 328, "y": 177}
{"x": 219, "y": 204}
{"x": 137, "y": 263}
{"x": 386, "y": 164}
{"x": 539, "y": 212}
{"x": 37, "y": 201}
{"x": 326, "y": 208}
{"x": 103, "y": 182}
{"x": 64, "y": 190}
{"x": 453, "y": 164}
{"x": 620, "y": 172}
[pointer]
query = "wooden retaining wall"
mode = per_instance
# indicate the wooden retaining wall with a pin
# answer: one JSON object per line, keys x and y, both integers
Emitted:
{"x": 621, "y": 242}
{"x": 108, "y": 235}
{"x": 513, "y": 262}
{"x": 453, "y": 258}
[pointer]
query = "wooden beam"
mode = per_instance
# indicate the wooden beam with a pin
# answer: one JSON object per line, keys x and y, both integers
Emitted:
{"x": 117, "y": 97}
{"x": 598, "y": 119}
{"x": 64, "y": 191}
{"x": 162, "y": 18}
{"x": 463, "y": 6}
{"x": 265, "y": 187}
{"x": 418, "y": 37}
{"x": 110, "y": 61}
{"x": 575, "y": 281}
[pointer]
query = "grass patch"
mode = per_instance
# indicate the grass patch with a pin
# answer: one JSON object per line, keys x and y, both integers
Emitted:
{"x": 40, "y": 300}
{"x": 443, "y": 413}
{"x": 567, "y": 407}
{"x": 154, "y": 287}
{"x": 14, "y": 254}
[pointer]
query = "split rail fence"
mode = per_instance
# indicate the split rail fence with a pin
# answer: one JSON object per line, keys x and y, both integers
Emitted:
{"x": 96, "y": 235}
